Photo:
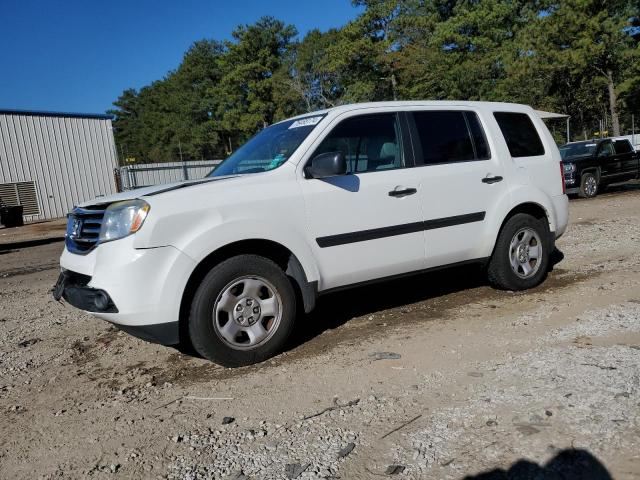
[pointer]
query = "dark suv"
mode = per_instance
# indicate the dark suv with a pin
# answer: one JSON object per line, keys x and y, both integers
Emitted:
{"x": 593, "y": 164}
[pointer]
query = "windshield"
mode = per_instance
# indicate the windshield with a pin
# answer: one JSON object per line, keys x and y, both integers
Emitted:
{"x": 575, "y": 149}
{"x": 268, "y": 149}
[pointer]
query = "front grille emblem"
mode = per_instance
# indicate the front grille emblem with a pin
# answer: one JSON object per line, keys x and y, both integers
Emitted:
{"x": 76, "y": 228}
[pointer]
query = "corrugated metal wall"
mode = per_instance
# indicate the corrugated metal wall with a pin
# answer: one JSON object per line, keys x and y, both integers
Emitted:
{"x": 144, "y": 175}
{"x": 71, "y": 158}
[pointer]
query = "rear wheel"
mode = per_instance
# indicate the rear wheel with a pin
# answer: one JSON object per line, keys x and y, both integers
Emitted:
{"x": 243, "y": 311}
{"x": 588, "y": 185}
{"x": 521, "y": 256}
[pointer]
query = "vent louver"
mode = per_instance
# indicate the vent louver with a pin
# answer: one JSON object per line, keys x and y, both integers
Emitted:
{"x": 21, "y": 193}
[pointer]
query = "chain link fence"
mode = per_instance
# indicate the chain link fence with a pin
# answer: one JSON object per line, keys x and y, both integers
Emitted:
{"x": 129, "y": 177}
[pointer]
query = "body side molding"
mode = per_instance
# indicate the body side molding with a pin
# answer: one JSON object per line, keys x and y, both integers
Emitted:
{"x": 383, "y": 232}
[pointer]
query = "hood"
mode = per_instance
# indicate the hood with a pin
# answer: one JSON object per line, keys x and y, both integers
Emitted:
{"x": 576, "y": 158}
{"x": 150, "y": 191}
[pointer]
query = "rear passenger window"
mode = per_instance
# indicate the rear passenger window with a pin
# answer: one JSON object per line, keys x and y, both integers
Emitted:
{"x": 479, "y": 140}
{"x": 521, "y": 136}
{"x": 622, "y": 146}
{"x": 450, "y": 136}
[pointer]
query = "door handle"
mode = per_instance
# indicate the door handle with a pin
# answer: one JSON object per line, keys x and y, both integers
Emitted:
{"x": 400, "y": 192}
{"x": 495, "y": 179}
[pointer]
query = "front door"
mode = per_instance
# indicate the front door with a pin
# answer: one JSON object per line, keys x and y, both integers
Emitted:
{"x": 366, "y": 224}
{"x": 608, "y": 161}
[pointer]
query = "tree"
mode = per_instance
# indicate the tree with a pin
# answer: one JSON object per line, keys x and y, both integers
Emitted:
{"x": 251, "y": 89}
{"x": 573, "y": 40}
{"x": 579, "y": 57}
{"x": 171, "y": 117}
{"x": 311, "y": 76}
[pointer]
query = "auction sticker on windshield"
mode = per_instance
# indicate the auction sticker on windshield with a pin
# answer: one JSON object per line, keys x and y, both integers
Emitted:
{"x": 305, "y": 122}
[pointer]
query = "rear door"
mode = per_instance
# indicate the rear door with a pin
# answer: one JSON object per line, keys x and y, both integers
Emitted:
{"x": 460, "y": 182}
{"x": 626, "y": 157}
{"x": 366, "y": 224}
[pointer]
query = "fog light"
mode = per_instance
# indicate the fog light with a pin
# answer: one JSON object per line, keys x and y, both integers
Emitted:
{"x": 101, "y": 300}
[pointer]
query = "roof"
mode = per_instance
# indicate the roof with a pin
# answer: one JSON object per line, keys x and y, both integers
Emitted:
{"x": 43, "y": 113}
{"x": 516, "y": 107}
{"x": 543, "y": 114}
{"x": 591, "y": 140}
{"x": 597, "y": 140}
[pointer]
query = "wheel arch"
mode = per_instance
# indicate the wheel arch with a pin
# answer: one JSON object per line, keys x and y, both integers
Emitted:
{"x": 594, "y": 170}
{"x": 274, "y": 251}
{"x": 530, "y": 208}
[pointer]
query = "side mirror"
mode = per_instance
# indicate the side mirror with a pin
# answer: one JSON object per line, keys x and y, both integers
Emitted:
{"x": 330, "y": 164}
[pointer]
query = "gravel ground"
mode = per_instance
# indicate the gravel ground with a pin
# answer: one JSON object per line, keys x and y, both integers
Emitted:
{"x": 438, "y": 376}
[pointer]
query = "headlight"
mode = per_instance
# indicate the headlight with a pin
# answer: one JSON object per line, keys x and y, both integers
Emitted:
{"x": 569, "y": 167}
{"x": 122, "y": 219}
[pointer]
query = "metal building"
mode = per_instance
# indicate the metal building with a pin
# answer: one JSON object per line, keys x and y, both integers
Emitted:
{"x": 51, "y": 161}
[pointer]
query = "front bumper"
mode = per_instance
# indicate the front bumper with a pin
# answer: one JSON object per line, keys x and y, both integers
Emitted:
{"x": 73, "y": 288}
{"x": 572, "y": 182}
{"x": 144, "y": 287}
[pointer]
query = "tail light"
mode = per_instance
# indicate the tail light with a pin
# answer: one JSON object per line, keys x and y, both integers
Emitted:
{"x": 564, "y": 187}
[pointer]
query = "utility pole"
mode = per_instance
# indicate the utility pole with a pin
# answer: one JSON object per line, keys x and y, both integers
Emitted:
{"x": 615, "y": 121}
{"x": 185, "y": 174}
{"x": 394, "y": 86}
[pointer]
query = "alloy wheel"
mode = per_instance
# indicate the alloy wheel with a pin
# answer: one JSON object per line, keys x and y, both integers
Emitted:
{"x": 525, "y": 252}
{"x": 247, "y": 312}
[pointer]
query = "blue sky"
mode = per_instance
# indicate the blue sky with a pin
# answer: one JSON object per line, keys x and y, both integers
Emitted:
{"x": 78, "y": 56}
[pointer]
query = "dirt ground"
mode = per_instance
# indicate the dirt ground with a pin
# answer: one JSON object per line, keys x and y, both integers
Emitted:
{"x": 471, "y": 382}
{"x": 31, "y": 234}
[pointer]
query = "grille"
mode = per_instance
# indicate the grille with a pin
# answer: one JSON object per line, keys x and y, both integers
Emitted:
{"x": 83, "y": 228}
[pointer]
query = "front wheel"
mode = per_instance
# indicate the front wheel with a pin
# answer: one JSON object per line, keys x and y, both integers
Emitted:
{"x": 243, "y": 311}
{"x": 521, "y": 255}
{"x": 588, "y": 186}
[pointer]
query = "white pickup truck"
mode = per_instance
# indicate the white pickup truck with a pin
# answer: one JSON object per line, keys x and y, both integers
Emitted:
{"x": 316, "y": 203}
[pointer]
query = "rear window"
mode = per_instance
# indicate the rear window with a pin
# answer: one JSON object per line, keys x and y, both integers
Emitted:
{"x": 577, "y": 149}
{"x": 450, "y": 136}
{"x": 521, "y": 136}
{"x": 622, "y": 146}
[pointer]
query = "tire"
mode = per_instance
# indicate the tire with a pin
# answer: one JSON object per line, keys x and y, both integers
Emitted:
{"x": 501, "y": 271}
{"x": 237, "y": 302}
{"x": 588, "y": 185}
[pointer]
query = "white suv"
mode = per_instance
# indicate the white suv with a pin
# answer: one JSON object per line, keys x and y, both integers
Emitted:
{"x": 312, "y": 204}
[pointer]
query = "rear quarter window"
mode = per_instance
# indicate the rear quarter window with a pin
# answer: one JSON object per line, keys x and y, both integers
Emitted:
{"x": 520, "y": 134}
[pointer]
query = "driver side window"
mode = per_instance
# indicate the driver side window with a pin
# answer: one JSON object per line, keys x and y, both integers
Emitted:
{"x": 606, "y": 149}
{"x": 368, "y": 143}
